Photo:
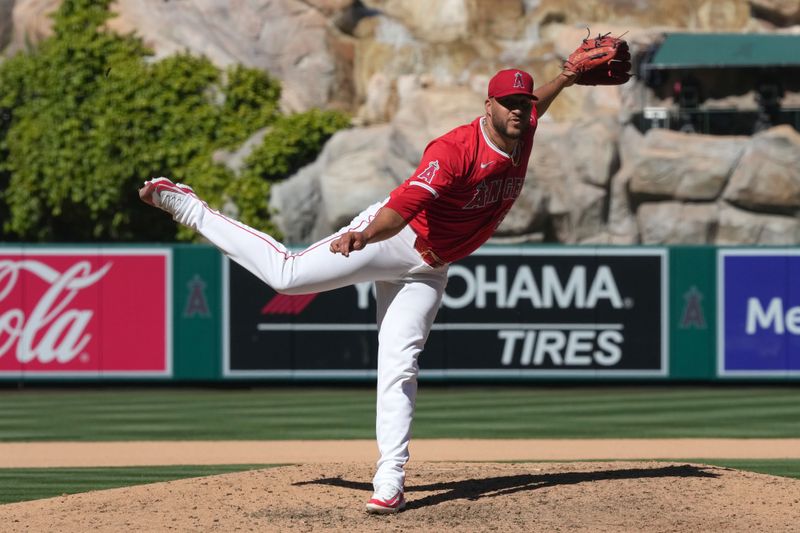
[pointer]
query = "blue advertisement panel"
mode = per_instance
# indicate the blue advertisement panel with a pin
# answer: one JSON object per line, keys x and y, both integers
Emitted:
{"x": 759, "y": 312}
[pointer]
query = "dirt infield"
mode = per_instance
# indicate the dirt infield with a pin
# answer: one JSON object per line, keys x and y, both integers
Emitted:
{"x": 611, "y": 496}
{"x": 77, "y": 454}
{"x": 328, "y": 491}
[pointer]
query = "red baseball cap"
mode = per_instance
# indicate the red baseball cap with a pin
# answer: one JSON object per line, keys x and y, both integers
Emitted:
{"x": 511, "y": 81}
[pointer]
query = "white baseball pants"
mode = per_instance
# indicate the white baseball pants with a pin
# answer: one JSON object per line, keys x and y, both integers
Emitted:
{"x": 408, "y": 293}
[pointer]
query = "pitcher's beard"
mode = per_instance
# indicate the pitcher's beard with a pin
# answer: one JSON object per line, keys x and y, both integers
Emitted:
{"x": 502, "y": 128}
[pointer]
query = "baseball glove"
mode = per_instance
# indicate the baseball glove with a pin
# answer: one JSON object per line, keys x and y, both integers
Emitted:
{"x": 604, "y": 60}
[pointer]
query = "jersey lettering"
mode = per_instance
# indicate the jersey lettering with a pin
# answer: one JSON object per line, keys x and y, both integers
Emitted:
{"x": 479, "y": 200}
{"x": 489, "y": 194}
{"x": 494, "y": 191}
{"x": 512, "y": 188}
{"x": 429, "y": 173}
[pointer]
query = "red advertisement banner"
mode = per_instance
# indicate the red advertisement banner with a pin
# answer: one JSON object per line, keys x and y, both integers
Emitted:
{"x": 85, "y": 312}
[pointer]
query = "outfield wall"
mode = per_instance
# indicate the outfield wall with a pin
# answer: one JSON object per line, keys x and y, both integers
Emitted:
{"x": 519, "y": 313}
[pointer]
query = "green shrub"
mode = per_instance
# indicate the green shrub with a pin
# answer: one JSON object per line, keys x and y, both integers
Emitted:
{"x": 292, "y": 142}
{"x": 89, "y": 116}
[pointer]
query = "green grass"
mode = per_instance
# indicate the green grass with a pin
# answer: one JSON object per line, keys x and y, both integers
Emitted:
{"x": 348, "y": 413}
{"x": 774, "y": 467}
{"x": 22, "y": 484}
{"x": 474, "y": 412}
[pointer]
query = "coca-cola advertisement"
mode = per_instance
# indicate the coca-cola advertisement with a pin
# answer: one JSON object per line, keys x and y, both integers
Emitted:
{"x": 85, "y": 312}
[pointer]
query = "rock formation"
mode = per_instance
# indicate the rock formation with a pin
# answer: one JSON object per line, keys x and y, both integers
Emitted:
{"x": 408, "y": 70}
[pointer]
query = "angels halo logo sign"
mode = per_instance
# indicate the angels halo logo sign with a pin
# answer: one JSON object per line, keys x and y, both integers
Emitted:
{"x": 85, "y": 312}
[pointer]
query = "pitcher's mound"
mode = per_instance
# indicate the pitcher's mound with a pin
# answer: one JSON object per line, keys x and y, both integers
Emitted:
{"x": 618, "y": 496}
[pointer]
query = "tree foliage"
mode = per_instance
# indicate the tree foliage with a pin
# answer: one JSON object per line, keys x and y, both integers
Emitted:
{"x": 292, "y": 142}
{"x": 88, "y": 115}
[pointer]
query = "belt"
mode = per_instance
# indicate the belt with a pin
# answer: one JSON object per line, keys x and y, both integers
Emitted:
{"x": 428, "y": 255}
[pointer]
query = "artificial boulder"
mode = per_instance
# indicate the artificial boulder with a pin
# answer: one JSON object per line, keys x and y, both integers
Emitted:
{"x": 768, "y": 176}
{"x": 684, "y": 166}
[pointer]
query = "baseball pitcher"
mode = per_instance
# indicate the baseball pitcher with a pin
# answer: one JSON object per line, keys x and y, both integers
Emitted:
{"x": 466, "y": 182}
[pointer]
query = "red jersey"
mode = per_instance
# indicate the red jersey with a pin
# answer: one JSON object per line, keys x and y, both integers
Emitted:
{"x": 462, "y": 189}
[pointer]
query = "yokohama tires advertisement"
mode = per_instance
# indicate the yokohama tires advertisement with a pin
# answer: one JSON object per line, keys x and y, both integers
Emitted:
{"x": 507, "y": 312}
{"x": 85, "y": 312}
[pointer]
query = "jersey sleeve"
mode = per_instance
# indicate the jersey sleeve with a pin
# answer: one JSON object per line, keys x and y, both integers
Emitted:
{"x": 441, "y": 167}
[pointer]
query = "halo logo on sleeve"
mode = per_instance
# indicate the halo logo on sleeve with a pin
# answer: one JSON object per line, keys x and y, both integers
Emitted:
{"x": 429, "y": 173}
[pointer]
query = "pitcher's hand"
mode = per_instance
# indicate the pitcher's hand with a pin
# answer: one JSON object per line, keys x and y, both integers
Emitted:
{"x": 348, "y": 242}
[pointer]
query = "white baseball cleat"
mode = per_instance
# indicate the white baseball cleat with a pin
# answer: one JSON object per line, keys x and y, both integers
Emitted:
{"x": 386, "y": 500}
{"x": 174, "y": 198}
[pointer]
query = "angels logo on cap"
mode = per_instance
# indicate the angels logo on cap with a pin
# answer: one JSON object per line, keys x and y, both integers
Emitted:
{"x": 511, "y": 81}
